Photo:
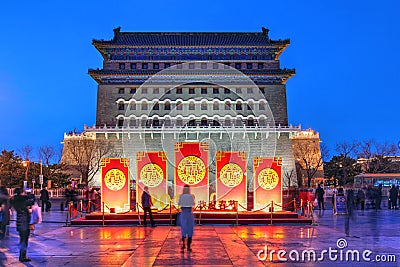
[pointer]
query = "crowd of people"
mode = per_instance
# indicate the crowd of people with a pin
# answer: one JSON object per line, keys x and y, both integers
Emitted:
{"x": 366, "y": 197}
{"x": 371, "y": 197}
{"x": 28, "y": 213}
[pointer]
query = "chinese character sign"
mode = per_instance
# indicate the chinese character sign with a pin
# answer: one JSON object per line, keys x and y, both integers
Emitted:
{"x": 232, "y": 177}
{"x": 191, "y": 168}
{"x": 152, "y": 172}
{"x": 115, "y": 184}
{"x": 267, "y": 181}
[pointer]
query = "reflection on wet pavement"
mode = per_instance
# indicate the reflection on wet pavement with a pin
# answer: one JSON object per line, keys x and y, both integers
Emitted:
{"x": 56, "y": 245}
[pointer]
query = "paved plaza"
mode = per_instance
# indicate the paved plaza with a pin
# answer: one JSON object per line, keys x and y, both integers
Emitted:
{"x": 54, "y": 244}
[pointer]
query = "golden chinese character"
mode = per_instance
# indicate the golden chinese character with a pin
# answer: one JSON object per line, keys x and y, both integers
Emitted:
{"x": 268, "y": 178}
{"x": 114, "y": 179}
{"x": 151, "y": 175}
{"x": 191, "y": 170}
{"x": 231, "y": 175}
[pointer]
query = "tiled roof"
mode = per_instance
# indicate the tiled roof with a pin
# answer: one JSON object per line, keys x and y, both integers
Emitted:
{"x": 190, "y": 39}
{"x": 190, "y": 72}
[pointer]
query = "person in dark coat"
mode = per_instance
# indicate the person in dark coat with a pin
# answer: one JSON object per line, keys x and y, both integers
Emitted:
{"x": 398, "y": 196}
{"x": 393, "y": 197}
{"x": 350, "y": 210}
{"x": 186, "y": 218}
{"x": 21, "y": 204}
{"x": 378, "y": 197}
{"x": 361, "y": 198}
{"x": 68, "y": 195}
{"x": 319, "y": 195}
{"x": 5, "y": 213}
{"x": 147, "y": 203}
{"x": 44, "y": 197}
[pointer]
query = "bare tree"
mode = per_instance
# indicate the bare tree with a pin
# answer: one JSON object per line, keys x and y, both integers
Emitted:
{"x": 347, "y": 151}
{"x": 46, "y": 153}
{"x": 290, "y": 178}
{"x": 375, "y": 156}
{"x": 310, "y": 157}
{"x": 84, "y": 155}
{"x": 25, "y": 152}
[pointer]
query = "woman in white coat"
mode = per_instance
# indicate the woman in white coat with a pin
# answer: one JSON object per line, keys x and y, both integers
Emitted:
{"x": 186, "y": 218}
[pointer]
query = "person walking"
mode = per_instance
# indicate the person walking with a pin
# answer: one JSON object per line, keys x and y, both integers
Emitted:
{"x": 361, "y": 198}
{"x": 21, "y": 204}
{"x": 94, "y": 203}
{"x": 398, "y": 196}
{"x": 44, "y": 197}
{"x": 319, "y": 195}
{"x": 186, "y": 218}
{"x": 68, "y": 196}
{"x": 350, "y": 211}
{"x": 393, "y": 197}
{"x": 378, "y": 197}
{"x": 147, "y": 203}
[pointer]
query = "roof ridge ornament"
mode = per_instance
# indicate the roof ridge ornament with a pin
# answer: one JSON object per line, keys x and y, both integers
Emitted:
{"x": 265, "y": 32}
{"x": 117, "y": 31}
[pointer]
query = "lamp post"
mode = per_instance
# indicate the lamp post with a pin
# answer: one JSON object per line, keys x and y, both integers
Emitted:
{"x": 25, "y": 163}
{"x": 41, "y": 175}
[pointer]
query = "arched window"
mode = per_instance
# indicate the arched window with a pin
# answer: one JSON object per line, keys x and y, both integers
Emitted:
{"x": 204, "y": 106}
{"x": 191, "y": 106}
{"x": 120, "y": 122}
{"x": 204, "y": 122}
{"x": 179, "y": 105}
{"x": 121, "y": 106}
{"x": 250, "y": 122}
{"x": 261, "y": 106}
{"x": 216, "y": 123}
{"x": 167, "y": 122}
{"x": 156, "y": 122}
{"x": 238, "y": 106}
{"x": 261, "y": 122}
{"x": 156, "y": 106}
{"x": 227, "y": 105}
{"x": 167, "y": 106}
{"x": 239, "y": 122}
{"x": 216, "y": 106}
{"x": 191, "y": 123}
{"x": 228, "y": 122}
{"x": 148, "y": 123}
{"x": 132, "y": 106}
{"x": 179, "y": 122}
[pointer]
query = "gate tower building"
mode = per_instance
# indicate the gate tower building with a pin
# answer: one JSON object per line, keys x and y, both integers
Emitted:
{"x": 225, "y": 88}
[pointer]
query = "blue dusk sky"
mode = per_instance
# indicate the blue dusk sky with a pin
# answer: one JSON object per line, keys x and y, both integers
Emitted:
{"x": 346, "y": 56}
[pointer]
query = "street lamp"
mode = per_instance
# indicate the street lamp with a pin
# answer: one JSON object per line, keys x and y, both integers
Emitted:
{"x": 41, "y": 175}
{"x": 25, "y": 163}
